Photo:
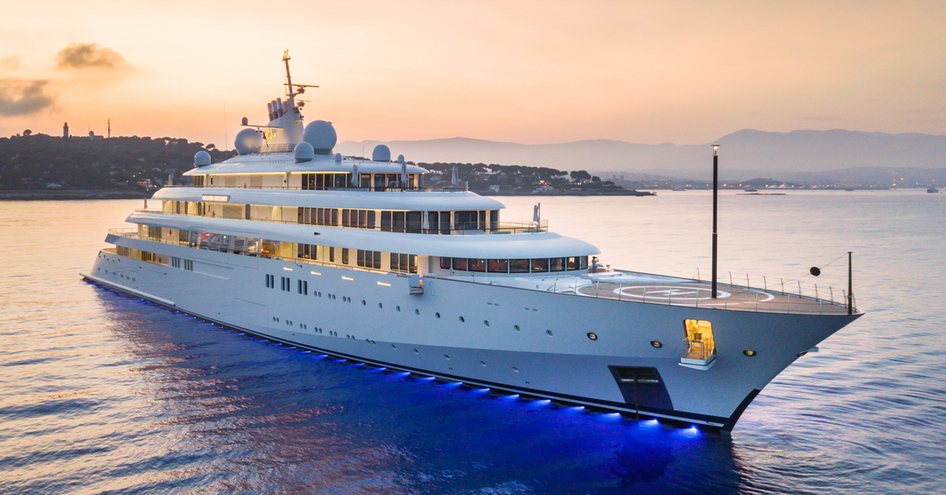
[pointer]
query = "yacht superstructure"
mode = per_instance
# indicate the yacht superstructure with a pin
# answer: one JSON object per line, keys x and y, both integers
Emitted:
{"x": 356, "y": 258}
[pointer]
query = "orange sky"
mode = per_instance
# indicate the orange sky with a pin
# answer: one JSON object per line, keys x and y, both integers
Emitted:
{"x": 532, "y": 72}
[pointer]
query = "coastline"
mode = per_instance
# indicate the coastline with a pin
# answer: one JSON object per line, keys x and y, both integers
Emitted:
{"x": 71, "y": 194}
{"x": 77, "y": 194}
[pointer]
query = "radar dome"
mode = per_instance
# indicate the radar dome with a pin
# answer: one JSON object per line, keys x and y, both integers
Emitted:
{"x": 321, "y": 135}
{"x": 400, "y": 158}
{"x": 201, "y": 159}
{"x": 248, "y": 141}
{"x": 304, "y": 152}
{"x": 381, "y": 153}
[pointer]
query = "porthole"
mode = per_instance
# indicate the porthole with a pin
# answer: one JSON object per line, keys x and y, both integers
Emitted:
{"x": 548, "y": 332}
{"x": 437, "y": 314}
{"x": 515, "y": 327}
{"x": 749, "y": 352}
{"x": 393, "y": 346}
{"x": 656, "y": 344}
{"x": 515, "y": 369}
{"x": 416, "y": 351}
{"x": 483, "y": 363}
{"x": 592, "y": 336}
{"x": 380, "y": 306}
{"x": 398, "y": 308}
{"x": 446, "y": 356}
{"x": 486, "y": 322}
{"x": 364, "y": 303}
{"x": 462, "y": 319}
{"x": 416, "y": 311}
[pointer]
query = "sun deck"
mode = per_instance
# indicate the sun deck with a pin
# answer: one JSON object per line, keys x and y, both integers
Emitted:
{"x": 658, "y": 289}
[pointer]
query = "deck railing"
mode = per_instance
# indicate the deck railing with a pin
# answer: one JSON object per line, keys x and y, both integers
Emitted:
{"x": 504, "y": 227}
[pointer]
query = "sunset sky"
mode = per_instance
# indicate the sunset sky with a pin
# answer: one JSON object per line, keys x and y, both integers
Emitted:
{"x": 530, "y": 72}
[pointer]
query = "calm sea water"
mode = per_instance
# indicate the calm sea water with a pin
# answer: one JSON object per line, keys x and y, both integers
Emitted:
{"x": 102, "y": 393}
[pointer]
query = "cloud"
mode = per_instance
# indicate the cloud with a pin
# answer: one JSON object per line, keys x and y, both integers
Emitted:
{"x": 23, "y": 97}
{"x": 89, "y": 55}
{"x": 11, "y": 62}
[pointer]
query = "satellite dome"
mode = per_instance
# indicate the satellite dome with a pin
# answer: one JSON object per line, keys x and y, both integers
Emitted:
{"x": 304, "y": 152}
{"x": 248, "y": 141}
{"x": 321, "y": 135}
{"x": 201, "y": 159}
{"x": 381, "y": 153}
{"x": 400, "y": 158}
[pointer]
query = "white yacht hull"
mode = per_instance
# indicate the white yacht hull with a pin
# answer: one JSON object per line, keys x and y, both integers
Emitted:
{"x": 521, "y": 340}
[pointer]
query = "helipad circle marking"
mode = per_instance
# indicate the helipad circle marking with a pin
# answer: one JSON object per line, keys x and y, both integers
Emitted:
{"x": 672, "y": 292}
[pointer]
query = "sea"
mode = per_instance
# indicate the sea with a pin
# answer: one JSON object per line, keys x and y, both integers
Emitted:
{"x": 105, "y": 393}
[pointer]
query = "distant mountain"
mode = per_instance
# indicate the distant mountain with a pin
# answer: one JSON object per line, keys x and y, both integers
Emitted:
{"x": 750, "y": 151}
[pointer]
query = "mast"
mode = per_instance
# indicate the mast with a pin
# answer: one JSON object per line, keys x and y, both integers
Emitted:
{"x": 289, "y": 92}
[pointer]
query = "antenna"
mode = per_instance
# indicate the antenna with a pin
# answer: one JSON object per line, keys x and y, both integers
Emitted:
{"x": 286, "y": 58}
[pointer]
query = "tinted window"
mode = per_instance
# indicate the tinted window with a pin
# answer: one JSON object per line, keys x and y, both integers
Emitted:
{"x": 498, "y": 266}
{"x": 519, "y": 266}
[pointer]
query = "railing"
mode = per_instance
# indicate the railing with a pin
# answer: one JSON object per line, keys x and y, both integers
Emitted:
{"x": 134, "y": 234}
{"x": 696, "y": 349}
{"x": 736, "y": 297}
{"x": 350, "y": 188}
{"x": 504, "y": 227}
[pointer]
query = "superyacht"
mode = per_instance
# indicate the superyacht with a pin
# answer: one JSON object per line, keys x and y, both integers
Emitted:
{"x": 357, "y": 259}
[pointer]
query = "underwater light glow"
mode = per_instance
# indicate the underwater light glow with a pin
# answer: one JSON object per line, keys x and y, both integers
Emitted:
{"x": 402, "y": 374}
{"x": 453, "y": 384}
{"x": 510, "y": 397}
{"x": 426, "y": 379}
{"x": 650, "y": 423}
{"x": 541, "y": 402}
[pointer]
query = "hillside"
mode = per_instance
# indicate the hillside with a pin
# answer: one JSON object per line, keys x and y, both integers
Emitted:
{"x": 41, "y": 162}
{"x": 743, "y": 153}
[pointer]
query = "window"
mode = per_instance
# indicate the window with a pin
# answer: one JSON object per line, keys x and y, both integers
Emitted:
{"x": 369, "y": 259}
{"x": 308, "y": 251}
{"x": 344, "y": 256}
{"x": 557, "y": 264}
{"x": 540, "y": 265}
{"x": 493, "y": 220}
{"x": 398, "y": 221}
{"x": 465, "y": 220}
{"x": 413, "y": 221}
{"x": 175, "y": 262}
{"x": 477, "y": 265}
{"x": 498, "y": 266}
{"x": 572, "y": 263}
{"x": 386, "y": 221}
{"x": 444, "y": 263}
{"x": 189, "y": 265}
{"x": 519, "y": 266}
{"x": 459, "y": 264}
{"x": 302, "y": 287}
{"x": 285, "y": 284}
{"x": 405, "y": 262}
{"x": 270, "y": 281}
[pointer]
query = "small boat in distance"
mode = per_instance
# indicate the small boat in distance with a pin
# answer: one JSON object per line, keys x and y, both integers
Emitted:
{"x": 932, "y": 189}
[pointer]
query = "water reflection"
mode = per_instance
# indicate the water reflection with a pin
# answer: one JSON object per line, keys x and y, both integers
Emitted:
{"x": 225, "y": 399}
